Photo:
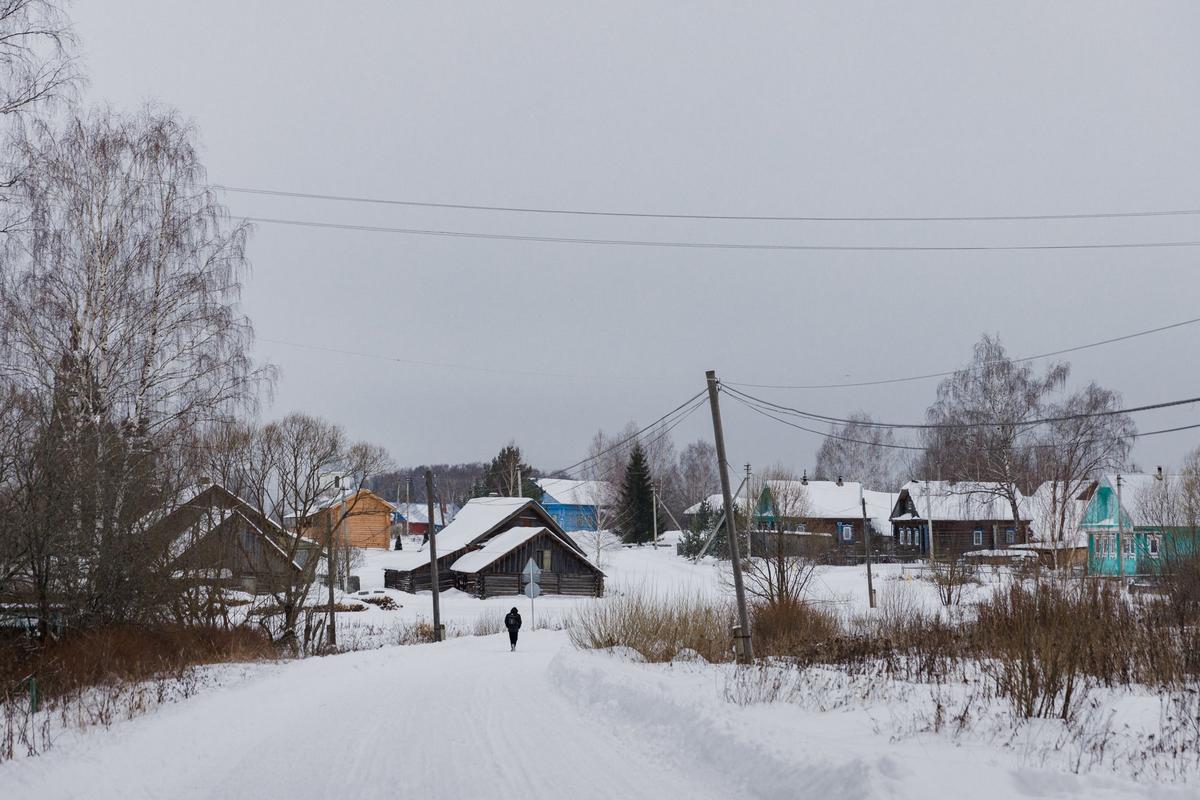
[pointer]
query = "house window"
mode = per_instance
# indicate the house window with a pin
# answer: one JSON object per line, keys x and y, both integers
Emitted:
{"x": 977, "y": 537}
{"x": 543, "y": 559}
{"x": 1152, "y": 545}
{"x": 1010, "y": 536}
{"x": 847, "y": 533}
{"x": 904, "y": 536}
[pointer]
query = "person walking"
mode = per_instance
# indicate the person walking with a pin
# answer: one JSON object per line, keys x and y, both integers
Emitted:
{"x": 513, "y": 622}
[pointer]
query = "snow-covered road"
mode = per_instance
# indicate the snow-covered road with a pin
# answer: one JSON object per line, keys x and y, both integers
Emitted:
{"x": 464, "y": 719}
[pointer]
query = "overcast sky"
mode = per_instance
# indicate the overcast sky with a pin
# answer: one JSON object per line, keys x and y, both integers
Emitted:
{"x": 840, "y": 108}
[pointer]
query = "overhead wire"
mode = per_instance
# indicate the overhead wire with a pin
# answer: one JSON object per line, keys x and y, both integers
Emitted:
{"x": 855, "y": 248}
{"x": 893, "y": 446}
{"x": 971, "y": 368}
{"x": 1030, "y": 423}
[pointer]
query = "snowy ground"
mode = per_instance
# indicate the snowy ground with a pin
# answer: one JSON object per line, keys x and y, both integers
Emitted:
{"x": 468, "y": 719}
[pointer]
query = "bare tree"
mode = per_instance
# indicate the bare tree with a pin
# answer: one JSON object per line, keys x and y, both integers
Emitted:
{"x": 984, "y": 440}
{"x": 36, "y": 61}
{"x": 698, "y": 476}
{"x": 119, "y": 327}
{"x": 782, "y": 572}
{"x": 1070, "y": 453}
{"x": 861, "y": 452}
{"x": 302, "y": 469}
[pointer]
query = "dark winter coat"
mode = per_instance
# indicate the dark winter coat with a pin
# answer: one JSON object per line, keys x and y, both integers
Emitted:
{"x": 513, "y": 621}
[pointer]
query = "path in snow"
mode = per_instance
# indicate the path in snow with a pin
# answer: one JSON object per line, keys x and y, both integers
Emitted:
{"x": 464, "y": 719}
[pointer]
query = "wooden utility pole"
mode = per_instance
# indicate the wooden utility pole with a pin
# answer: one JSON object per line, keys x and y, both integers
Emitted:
{"x": 654, "y": 511}
{"x": 745, "y": 649}
{"x": 1120, "y": 532}
{"x": 332, "y": 567}
{"x": 867, "y": 546}
{"x": 749, "y": 518}
{"x": 433, "y": 564}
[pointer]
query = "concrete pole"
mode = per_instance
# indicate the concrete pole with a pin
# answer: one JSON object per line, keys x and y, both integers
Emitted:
{"x": 433, "y": 564}
{"x": 749, "y": 518}
{"x": 746, "y": 651}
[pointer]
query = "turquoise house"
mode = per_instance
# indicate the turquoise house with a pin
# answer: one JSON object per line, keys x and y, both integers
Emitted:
{"x": 1153, "y": 531}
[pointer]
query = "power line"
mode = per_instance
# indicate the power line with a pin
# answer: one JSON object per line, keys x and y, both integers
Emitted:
{"x": 707, "y": 217}
{"x": 513, "y": 237}
{"x": 1045, "y": 445}
{"x": 968, "y": 425}
{"x": 634, "y": 435}
{"x": 971, "y": 368}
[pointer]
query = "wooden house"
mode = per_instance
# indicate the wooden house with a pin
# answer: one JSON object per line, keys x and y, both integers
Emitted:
{"x": 212, "y": 536}
{"x": 832, "y": 508}
{"x": 967, "y": 517}
{"x": 485, "y": 548}
{"x": 1141, "y": 529}
{"x": 358, "y": 518}
{"x": 1056, "y": 534}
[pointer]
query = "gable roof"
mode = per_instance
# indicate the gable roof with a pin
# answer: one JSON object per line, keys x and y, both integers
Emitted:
{"x": 503, "y": 543}
{"x": 419, "y": 512}
{"x": 1148, "y": 501}
{"x": 576, "y": 493}
{"x": 473, "y": 522}
{"x": 1047, "y": 504}
{"x": 716, "y": 502}
{"x": 958, "y": 500}
{"x": 828, "y": 500}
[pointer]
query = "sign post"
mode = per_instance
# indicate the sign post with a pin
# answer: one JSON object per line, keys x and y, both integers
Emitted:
{"x": 531, "y": 573}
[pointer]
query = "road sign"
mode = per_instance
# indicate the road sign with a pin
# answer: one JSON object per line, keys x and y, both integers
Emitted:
{"x": 532, "y": 590}
{"x": 532, "y": 571}
{"x": 531, "y": 574}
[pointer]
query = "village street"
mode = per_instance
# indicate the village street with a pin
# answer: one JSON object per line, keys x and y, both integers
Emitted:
{"x": 463, "y": 719}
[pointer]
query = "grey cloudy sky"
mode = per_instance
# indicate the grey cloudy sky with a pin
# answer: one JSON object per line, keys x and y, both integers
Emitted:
{"x": 839, "y": 108}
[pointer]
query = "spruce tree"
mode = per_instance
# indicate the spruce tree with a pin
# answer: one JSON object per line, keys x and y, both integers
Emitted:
{"x": 501, "y": 476}
{"x": 637, "y": 499}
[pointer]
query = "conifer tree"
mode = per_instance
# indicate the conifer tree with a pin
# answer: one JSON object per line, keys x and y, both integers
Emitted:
{"x": 637, "y": 499}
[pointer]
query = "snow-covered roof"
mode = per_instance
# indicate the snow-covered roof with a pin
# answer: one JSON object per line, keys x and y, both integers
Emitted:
{"x": 1149, "y": 500}
{"x": 961, "y": 500}
{"x": 716, "y": 502}
{"x": 419, "y": 512}
{"x": 473, "y": 520}
{"x": 576, "y": 493}
{"x": 1050, "y": 502}
{"x": 496, "y": 547}
{"x": 828, "y": 500}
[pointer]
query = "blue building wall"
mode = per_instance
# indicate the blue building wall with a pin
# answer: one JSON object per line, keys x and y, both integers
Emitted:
{"x": 572, "y": 517}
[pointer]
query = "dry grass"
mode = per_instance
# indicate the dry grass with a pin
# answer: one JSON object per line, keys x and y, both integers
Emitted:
{"x": 657, "y": 628}
{"x": 125, "y": 654}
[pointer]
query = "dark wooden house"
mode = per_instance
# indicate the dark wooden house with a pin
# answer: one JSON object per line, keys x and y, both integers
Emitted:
{"x": 212, "y": 536}
{"x": 967, "y": 517}
{"x": 485, "y": 548}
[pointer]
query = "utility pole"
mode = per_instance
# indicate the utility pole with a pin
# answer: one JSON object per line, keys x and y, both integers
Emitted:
{"x": 749, "y": 518}
{"x": 745, "y": 650}
{"x": 654, "y": 510}
{"x": 929, "y": 520}
{"x": 408, "y": 506}
{"x": 1120, "y": 531}
{"x": 867, "y": 546}
{"x": 433, "y": 564}
{"x": 519, "y": 493}
{"x": 332, "y": 567}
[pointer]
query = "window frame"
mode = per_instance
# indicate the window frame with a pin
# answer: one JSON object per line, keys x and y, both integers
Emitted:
{"x": 977, "y": 537}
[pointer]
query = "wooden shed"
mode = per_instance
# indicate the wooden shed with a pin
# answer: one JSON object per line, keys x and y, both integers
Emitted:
{"x": 488, "y": 544}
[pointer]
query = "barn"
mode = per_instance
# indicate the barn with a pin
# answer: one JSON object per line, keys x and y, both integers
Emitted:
{"x": 484, "y": 549}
